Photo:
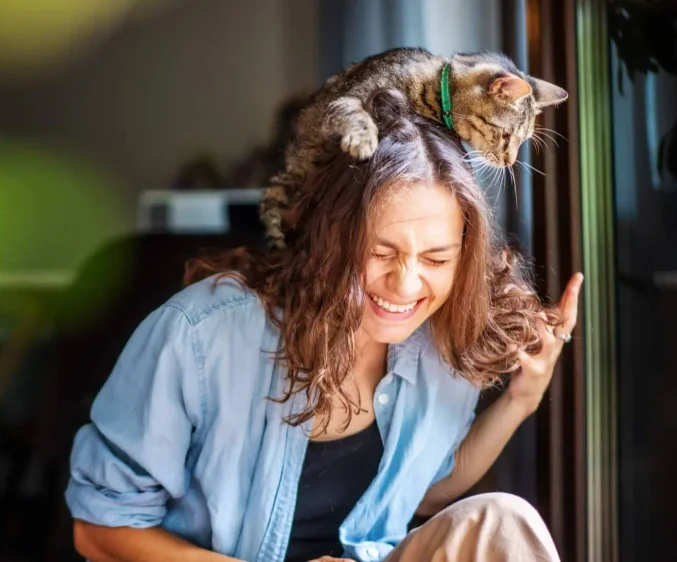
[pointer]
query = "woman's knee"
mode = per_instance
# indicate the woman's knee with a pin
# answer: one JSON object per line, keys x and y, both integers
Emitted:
{"x": 508, "y": 503}
{"x": 498, "y": 504}
{"x": 493, "y": 526}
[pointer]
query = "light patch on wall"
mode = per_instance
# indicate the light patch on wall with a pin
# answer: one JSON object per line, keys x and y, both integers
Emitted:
{"x": 55, "y": 209}
{"x": 37, "y": 36}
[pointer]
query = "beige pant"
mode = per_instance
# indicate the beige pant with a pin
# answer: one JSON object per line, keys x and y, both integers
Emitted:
{"x": 494, "y": 527}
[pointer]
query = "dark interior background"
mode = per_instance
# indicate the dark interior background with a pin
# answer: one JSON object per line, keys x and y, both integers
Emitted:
{"x": 137, "y": 134}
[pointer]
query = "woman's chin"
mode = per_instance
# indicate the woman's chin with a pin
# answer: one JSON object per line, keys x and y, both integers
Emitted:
{"x": 389, "y": 333}
{"x": 394, "y": 327}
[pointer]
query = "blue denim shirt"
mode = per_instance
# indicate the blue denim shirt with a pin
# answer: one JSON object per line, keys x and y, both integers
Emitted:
{"x": 183, "y": 435}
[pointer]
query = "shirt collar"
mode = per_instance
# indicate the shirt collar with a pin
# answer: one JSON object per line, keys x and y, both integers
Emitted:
{"x": 403, "y": 358}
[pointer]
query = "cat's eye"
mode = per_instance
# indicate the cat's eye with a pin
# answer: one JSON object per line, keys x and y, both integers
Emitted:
{"x": 506, "y": 136}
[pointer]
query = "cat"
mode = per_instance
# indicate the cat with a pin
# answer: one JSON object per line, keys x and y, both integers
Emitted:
{"x": 493, "y": 107}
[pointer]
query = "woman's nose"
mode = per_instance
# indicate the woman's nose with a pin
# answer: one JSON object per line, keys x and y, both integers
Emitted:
{"x": 408, "y": 279}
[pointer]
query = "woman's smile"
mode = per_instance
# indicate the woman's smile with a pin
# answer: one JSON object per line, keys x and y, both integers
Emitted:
{"x": 392, "y": 311}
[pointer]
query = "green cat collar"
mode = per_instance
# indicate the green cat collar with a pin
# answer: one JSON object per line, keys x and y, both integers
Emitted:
{"x": 446, "y": 97}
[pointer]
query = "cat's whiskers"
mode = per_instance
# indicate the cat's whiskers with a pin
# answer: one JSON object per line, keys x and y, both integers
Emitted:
{"x": 542, "y": 134}
{"x": 479, "y": 167}
{"x": 512, "y": 177}
{"x": 474, "y": 160}
{"x": 472, "y": 154}
{"x": 497, "y": 172}
{"x": 529, "y": 167}
{"x": 551, "y": 131}
{"x": 482, "y": 167}
{"x": 539, "y": 143}
{"x": 502, "y": 182}
{"x": 500, "y": 177}
{"x": 488, "y": 171}
{"x": 479, "y": 161}
{"x": 494, "y": 174}
{"x": 525, "y": 168}
{"x": 535, "y": 144}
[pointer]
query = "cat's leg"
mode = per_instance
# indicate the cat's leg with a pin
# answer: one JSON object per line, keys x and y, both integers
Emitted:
{"x": 274, "y": 202}
{"x": 286, "y": 188}
{"x": 347, "y": 119}
{"x": 278, "y": 199}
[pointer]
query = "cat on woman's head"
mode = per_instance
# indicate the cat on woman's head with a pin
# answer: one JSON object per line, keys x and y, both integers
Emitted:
{"x": 483, "y": 98}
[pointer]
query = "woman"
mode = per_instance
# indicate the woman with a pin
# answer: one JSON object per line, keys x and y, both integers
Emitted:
{"x": 307, "y": 406}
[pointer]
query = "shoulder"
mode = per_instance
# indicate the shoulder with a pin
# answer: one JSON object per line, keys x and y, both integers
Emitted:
{"x": 230, "y": 339}
{"x": 215, "y": 297}
{"x": 230, "y": 330}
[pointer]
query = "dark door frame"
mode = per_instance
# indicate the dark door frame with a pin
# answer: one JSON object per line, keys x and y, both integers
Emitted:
{"x": 573, "y": 231}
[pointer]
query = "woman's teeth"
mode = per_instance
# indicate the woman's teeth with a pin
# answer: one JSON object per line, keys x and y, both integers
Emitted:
{"x": 385, "y": 305}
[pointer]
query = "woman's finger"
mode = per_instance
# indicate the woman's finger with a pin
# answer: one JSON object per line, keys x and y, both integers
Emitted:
{"x": 572, "y": 288}
{"x": 569, "y": 305}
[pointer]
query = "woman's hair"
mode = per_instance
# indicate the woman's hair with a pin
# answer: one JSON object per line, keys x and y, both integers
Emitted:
{"x": 314, "y": 289}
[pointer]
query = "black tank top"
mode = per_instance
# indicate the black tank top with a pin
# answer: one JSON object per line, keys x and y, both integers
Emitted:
{"x": 335, "y": 474}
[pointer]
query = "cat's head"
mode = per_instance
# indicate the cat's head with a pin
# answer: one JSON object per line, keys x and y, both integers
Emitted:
{"x": 495, "y": 105}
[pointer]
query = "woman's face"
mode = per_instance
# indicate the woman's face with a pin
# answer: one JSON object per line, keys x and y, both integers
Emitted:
{"x": 418, "y": 232}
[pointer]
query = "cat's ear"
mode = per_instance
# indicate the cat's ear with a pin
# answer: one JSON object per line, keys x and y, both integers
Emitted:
{"x": 547, "y": 94}
{"x": 511, "y": 87}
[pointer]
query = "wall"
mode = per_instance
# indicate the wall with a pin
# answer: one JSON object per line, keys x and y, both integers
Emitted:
{"x": 460, "y": 25}
{"x": 205, "y": 75}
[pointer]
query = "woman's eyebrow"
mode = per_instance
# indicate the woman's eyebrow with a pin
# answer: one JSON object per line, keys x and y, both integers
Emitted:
{"x": 433, "y": 250}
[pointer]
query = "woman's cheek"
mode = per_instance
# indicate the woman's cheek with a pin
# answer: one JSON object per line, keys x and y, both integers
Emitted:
{"x": 375, "y": 269}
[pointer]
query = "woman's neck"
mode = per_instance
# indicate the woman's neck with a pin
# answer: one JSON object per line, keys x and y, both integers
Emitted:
{"x": 369, "y": 369}
{"x": 371, "y": 361}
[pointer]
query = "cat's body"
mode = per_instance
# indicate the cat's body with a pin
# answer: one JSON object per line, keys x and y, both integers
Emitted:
{"x": 493, "y": 103}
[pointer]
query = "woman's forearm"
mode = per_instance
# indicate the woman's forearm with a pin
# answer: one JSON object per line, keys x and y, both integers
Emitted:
{"x": 124, "y": 544}
{"x": 487, "y": 437}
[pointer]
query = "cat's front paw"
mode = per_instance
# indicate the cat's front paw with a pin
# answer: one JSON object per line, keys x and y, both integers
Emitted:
{"x": 361, "y": 143}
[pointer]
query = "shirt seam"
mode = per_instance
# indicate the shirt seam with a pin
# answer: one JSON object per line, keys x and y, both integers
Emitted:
{"x": 198, "y": 358}
{"x": 216, "y": 307}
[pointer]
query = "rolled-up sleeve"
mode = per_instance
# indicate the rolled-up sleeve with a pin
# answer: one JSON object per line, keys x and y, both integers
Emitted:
{"x": 131, "y": 459}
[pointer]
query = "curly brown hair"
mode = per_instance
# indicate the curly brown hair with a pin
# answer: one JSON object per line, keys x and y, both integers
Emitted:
{"x": 313, "y": 290}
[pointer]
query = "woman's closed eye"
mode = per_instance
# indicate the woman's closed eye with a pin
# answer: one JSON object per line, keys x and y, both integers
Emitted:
{"x": 383, "y": 257}
{"x": 428, "y": 261}
{"x": 435, "y": 263}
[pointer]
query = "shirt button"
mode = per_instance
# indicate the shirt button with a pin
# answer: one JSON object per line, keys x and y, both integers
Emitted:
{"x": 383, "y": 400}
{"x": 372, "y": 551}
{"x": 388, "y": 378}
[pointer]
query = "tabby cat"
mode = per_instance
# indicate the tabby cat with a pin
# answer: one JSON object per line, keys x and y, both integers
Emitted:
{"x": 492, "y": 108}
